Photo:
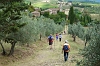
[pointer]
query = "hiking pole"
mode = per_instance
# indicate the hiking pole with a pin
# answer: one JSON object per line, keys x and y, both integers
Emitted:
{"x": 54, "y": 44}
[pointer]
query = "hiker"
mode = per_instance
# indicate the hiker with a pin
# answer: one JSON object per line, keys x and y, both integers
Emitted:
{"x": 64, "y": 32}
{"x": 50, "y": 40}
{"x": 57, "y": 36}
{"x": 66, "y": 49}
{"x": 60, "y": 37}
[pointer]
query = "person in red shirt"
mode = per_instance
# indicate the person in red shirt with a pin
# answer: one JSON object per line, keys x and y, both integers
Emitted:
{"x": 57, "y": 36}
{"x": 50, "y": 40}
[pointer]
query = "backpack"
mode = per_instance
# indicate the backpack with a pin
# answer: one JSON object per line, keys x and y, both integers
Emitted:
{"x": 50, "y": 38}
{"x": 65, "y": 48}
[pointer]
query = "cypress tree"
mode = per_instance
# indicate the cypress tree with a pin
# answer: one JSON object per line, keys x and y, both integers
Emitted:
{"x": 71, "y": 16}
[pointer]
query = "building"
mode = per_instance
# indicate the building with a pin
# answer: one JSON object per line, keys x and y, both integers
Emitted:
{"x": 67, "y": 11}
{"x": 36, "y": 14}
{"x": 53, "y": 10}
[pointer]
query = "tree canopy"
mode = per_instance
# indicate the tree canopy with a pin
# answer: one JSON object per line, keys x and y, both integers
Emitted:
{"x": 10, "y": 13}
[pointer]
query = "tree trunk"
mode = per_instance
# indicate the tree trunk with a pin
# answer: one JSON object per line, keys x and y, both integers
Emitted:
{"x": 74, "y": 38}
{"x": 4, "y": 52}
{"x": 12, "y": 49}
{"x": 27, "y": 44}
{"x": 85, "y": 43}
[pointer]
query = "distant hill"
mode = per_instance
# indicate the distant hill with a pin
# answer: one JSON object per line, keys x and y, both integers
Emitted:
{"x": 84, "y": 0}
{"x": 34, "y": 1}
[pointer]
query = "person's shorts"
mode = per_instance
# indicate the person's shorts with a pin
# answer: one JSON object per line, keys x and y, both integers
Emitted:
{"x": 50, "y": 43}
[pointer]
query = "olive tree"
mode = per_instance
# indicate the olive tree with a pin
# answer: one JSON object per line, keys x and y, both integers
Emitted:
{"x": 76, "y": 30}
{"x": 10, "y": 12}
{"x": 91, "y": 54}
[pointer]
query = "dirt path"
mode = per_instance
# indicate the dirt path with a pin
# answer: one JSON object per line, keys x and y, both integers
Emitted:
{"x": 54, "y": 57}
{"x": 47, "y": 57}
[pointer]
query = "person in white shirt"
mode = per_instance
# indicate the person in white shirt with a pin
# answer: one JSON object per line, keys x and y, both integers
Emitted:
{"x": 60, "y": 37}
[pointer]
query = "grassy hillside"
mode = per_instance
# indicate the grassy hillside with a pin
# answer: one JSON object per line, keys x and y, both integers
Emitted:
{"x": 44, "y": 5}
{"x": 35, "y": 1}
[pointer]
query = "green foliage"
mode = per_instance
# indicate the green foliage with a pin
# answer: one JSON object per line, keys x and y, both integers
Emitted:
{"x": 71, "y": 16}
{"x": 62, "y": 14}
{"x": 7, "y": 1}
{"x": 81, "y": 31}
{"x": 31, "y": 8}
{"x": 87, "y": 35}
{"x": 84, "y": 17}
{"x": 58, "y": 18}
{"x": 76, "y": 30}
{"x": 9, "y": 15}
{"x": 30, "y": 32}
{"x": 91, "y": 54}
{"x": 46, "y": 14}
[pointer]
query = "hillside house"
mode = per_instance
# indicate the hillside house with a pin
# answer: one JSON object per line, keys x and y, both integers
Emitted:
{"x": 37, "y": 9}
{"x": 70, "y": 3}
{"x": 67, "y": 11}
{"x": 36, "y": 14}
{"x": 53, "y": 10}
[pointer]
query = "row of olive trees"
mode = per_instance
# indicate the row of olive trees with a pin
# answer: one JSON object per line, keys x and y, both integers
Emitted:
{"x": 33, "y": 29}
{"x": 91, "y": 54}
{"x": 76, "y": 30}
{"x": 36, "y": 27}
{"x": 91, "y": 34}
{"x": 16, "y": 27}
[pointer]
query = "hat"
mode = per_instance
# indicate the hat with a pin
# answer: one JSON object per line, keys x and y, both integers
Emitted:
{"x": 66, "y": 41}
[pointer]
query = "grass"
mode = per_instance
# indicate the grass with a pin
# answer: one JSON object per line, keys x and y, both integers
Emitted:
{"x": 44, "y": 5}
{"x": 75, "y": 48}
{"x": 32, "y": 1}
{"x": 21, "y": 52}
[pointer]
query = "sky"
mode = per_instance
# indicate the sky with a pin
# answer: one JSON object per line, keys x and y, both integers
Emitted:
{"x": 97, "y": 0}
